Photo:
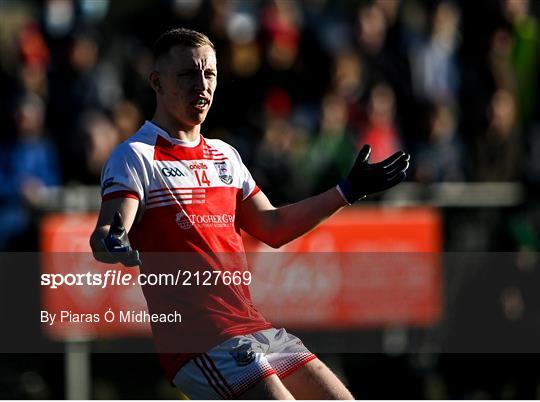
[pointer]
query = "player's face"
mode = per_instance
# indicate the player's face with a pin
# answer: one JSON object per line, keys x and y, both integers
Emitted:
{"x": 188, "y": 80}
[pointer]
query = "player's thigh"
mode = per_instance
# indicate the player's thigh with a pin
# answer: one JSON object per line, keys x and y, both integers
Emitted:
{"x": 269, "y": 388}
{"x": 315, "y": 381}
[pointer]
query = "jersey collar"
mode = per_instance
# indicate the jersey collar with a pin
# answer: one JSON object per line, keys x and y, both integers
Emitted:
{"x": 148, "y": 125}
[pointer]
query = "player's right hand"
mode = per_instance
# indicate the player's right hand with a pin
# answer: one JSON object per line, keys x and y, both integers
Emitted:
{"x": 366, "y": 178}
{"x": 117, "y": 244}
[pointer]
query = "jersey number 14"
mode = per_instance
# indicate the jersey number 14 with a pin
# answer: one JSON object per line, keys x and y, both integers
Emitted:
{"x": 202, "y": 178}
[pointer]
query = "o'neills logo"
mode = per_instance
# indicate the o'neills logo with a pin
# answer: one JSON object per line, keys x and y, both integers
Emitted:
{"x": 198, "y": 165}
{"x": 185, "y": 221}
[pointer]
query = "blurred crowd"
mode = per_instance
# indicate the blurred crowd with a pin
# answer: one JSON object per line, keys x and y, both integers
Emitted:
{"x": 302, "y": 85}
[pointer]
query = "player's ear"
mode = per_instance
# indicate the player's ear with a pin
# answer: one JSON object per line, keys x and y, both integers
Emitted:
{"x": 155, "y": 81}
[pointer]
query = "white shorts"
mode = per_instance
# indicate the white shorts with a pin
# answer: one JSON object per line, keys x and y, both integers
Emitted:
{"x": 231, "y": 368}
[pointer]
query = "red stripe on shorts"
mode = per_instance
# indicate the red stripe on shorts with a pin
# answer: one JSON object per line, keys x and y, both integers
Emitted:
{"x": 296, "y": 366}
{"x": 210, "y": 381}
{"x": 225, "y": 383}
{"x": 216, "y": 379}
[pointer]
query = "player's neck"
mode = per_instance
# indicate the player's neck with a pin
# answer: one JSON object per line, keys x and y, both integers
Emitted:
{"x": 176, "y": 130}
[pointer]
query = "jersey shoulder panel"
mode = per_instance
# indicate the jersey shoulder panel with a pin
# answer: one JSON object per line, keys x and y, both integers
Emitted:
{"x": 141, "y": 144}
{"x": 226, "y": 149}
{"x": 128, "y": 166}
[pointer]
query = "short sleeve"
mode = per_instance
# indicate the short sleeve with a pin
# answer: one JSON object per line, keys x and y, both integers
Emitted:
{"x": 122, "y": 176}
{"x": 249, "y": 187}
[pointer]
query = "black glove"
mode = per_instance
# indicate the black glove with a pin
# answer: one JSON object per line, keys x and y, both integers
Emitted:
{"x": 117, "y": 244}
{"x": 365, "y": 178}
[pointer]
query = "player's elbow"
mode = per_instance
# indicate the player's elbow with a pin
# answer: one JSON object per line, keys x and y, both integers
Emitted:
{"x": 269, "y": 240}
{"x": 275, "y": 242}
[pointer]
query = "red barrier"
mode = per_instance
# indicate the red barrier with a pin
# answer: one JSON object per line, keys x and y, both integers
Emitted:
{"x": 378, "y": 267}
{"x": 395, "y": 280}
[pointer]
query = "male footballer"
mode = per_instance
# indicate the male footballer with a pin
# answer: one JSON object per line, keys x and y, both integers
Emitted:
{"x": 174, "y": 190}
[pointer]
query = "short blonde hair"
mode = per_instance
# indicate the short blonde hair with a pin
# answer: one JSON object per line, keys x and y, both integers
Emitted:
{"x": 179, "y": 37}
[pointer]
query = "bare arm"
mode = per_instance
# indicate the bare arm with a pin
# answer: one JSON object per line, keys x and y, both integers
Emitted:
{"x": 127, "y": 208}
{"x": 279, "y": 226}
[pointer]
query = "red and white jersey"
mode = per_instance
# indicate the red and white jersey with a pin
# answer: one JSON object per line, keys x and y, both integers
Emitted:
{"x": 189, "y": 196}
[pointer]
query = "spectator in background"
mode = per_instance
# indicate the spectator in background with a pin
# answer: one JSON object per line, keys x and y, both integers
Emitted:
{"x": 348, "y": 75}
{"x": 277, "y": 161}
{"x": 327, "y": 23}
{"x": 240, "y": 62}
{"x": 524, "y": 56}
{"x": 383, "y": 64}
{"x": 380, "y": 130}
{"x": 127, "y": 118}
{"x": 98, "y": 137}
{"x": 95, "y": 83}
{"x": 292, "y": 60}
{"x": 434, "y": 64}
{"x": 500, "y": 60}
{"x": 348, "y": 83}
{"x": 85, "y": 83}
{"x": 28, "y": 169}
{"x": 137, "y": 65}
{"x": 332, "y": 151}
{"x": 441, "y": 158}
{"x": 280, "y": 23}
{"x": 498, "y": 151}
{"x": 371, "y": 30}
{"x": 34, "y": 54}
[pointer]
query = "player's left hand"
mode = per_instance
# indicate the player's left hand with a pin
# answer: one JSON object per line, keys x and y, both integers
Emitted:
{"x": 366, "y": 178}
